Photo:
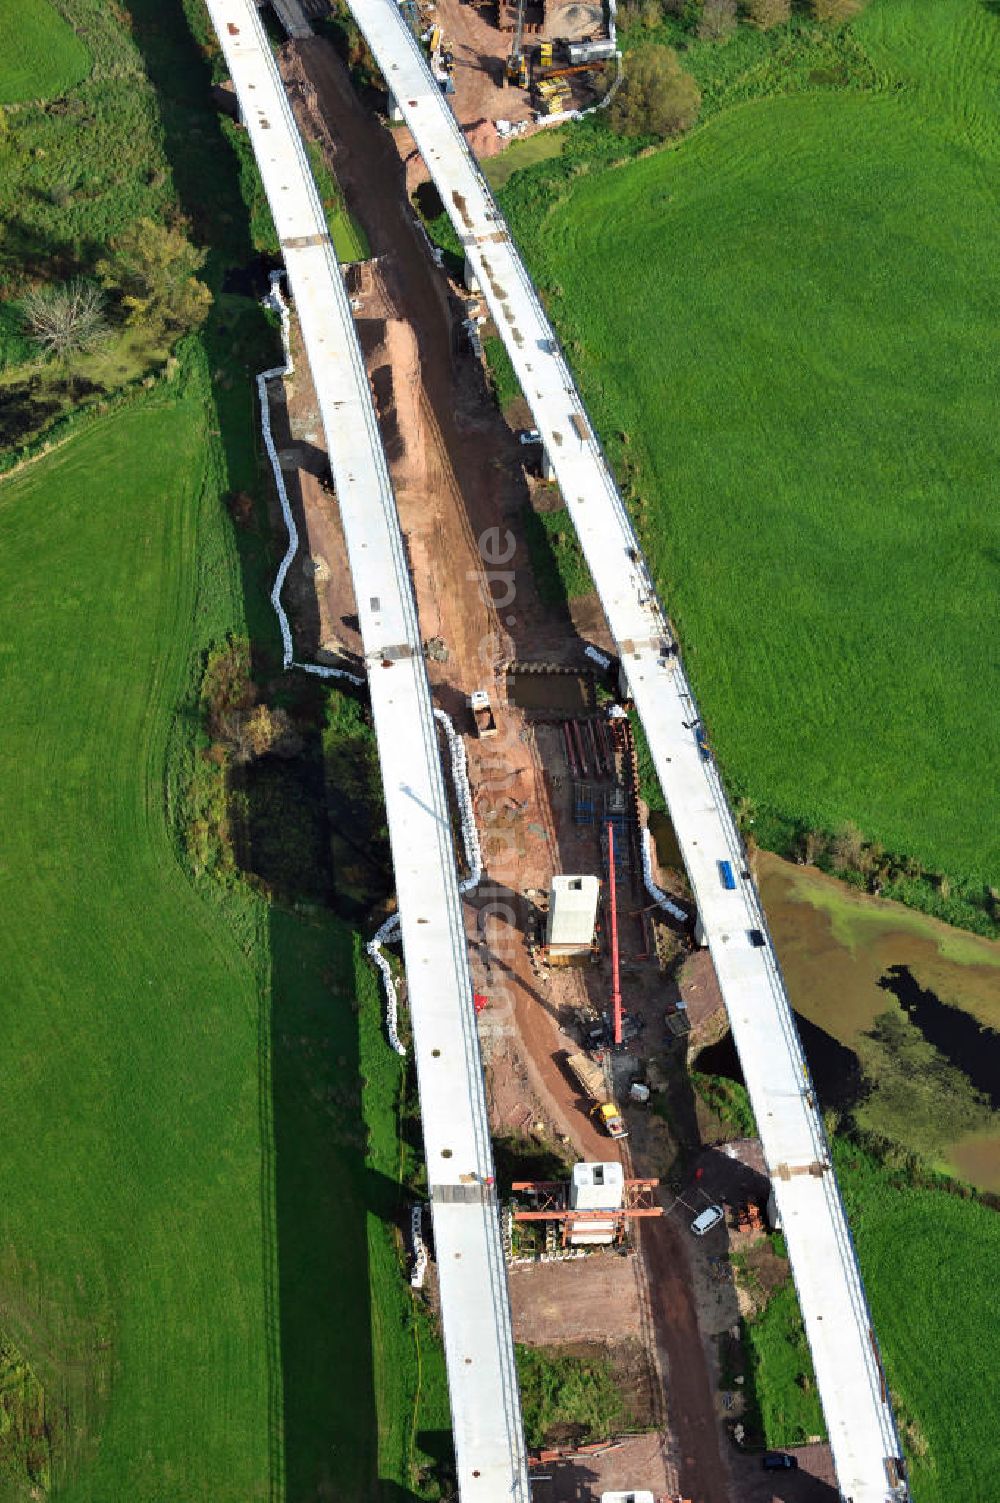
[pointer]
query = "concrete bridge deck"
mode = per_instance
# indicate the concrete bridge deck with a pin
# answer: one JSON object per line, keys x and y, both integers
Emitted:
{"x": 475, "y": 1308}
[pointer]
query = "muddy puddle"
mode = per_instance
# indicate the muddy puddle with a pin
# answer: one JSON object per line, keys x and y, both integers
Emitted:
{"x": 550, "y": 693}
{"x": 847, "y": 958}
{"x": 668, "y": 852}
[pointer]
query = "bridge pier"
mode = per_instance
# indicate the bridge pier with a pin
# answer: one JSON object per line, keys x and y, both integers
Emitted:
{"x": 548, "y": 468}
{"x": 469, "y": 277}
{"x": 395, "y": 113}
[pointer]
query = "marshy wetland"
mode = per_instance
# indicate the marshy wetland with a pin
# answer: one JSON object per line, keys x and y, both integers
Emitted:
{"x": 915, "y": 1002}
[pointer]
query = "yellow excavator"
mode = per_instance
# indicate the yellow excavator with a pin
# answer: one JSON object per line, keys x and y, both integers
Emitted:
{"x": 516, "y": 71}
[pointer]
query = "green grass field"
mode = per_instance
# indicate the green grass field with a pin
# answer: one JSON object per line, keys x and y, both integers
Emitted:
{"x": 349, "y": 239}
{"x": 938, "y": 1346}
{"x": 200, "y": 1286}
{"x": 782, "y": 1373}
{"x": 72, "y": 178}
{"x": 15, "y": 347}
{"x": 505, "y": 385}
{"x": 557, "y": 560}
{"x": 42, "y": 56}
{"x": 188, "y": 1221}
{"x": 132, "y": 1234}
{"x": 524, "y": 152}
{"x": 790, "y": 316}
{"x": 567, "y": 1396}
{"x": 926, "y": 1255}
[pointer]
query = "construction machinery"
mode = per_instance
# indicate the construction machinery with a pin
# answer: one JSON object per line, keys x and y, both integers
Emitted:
{"x": 603, "y": 1110}
{"x": 442, "y": 58}
{"x": 516, "y": 70}
{"x": 483, "y": 717}
{"x": 553, "y": 96}
{"x": 551, "y": 84}
{"x": 594, "y": 1209}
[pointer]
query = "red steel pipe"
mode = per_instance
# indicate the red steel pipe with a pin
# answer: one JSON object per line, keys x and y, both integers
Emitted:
{"x": 616, "y": 991}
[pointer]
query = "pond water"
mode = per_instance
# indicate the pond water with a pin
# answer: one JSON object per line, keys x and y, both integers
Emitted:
{"x": 834, "y": 1068}
{"x": 846, "y": 955}
{"x": 960, "y": 1037}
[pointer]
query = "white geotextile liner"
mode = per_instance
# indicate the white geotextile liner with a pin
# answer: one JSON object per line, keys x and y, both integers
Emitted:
{"x": 463, "y": 797}
{"x": 276, "y": 301}
{"x": 657, "y": 893}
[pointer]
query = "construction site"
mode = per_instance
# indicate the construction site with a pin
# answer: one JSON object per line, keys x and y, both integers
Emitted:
{"x": 519, "y": 64}
{"x": 594, "y": 990}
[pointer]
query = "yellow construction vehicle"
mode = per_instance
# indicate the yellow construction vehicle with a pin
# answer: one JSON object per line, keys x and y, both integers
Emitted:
{"x": 516, "y": 70}
{"x": 603, "y": 1111}
{"x": 610, "y": 1118}
{"x": 553, "y": 95}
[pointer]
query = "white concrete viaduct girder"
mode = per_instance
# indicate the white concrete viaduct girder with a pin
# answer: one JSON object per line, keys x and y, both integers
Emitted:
{"x": 475, "y": 1307}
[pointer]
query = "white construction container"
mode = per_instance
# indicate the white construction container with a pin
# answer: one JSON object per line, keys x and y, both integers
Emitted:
{"x": 627, "y": 1498}
{"x": 598, "y": 50}
{"x": 597, "y": 1187}
{"x": 572, "y": 915}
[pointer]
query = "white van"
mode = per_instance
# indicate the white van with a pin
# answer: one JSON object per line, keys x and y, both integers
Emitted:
{"x": 706, "y": 1219}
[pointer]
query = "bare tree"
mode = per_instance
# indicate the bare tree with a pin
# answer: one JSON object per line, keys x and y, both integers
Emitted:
{"x": 718, "y": 20}
{"x": 847, "y": 849}
{"x": 767, "y": 13}
{"x": 813, "y": 845}
{"x": 66, "y": 320}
